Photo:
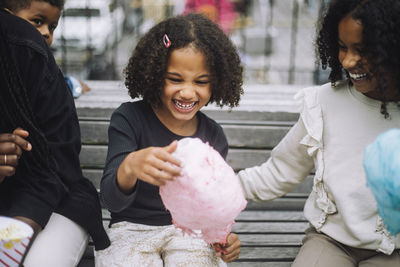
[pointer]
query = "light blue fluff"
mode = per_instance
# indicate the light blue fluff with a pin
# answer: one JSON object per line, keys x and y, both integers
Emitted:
{"x": 382, "y": 167}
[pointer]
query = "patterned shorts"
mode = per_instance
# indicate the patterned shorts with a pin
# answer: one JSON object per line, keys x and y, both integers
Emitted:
{"x": 155, "y": 246}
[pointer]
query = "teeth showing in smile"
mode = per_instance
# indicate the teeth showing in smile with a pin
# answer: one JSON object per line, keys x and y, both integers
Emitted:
{"x": 357, "y": 76}
{"x": 184, "y": 106}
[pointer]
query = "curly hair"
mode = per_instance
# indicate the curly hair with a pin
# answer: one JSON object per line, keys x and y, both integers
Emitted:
{"x": 17, "y": 5}
{"x": 146, "y": 69}
{"x": 380, "y": 44}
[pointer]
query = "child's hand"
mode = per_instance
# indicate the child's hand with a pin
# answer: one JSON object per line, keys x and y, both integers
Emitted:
{"x": 154, "y": 165}
{"x": 85, "y": 87}
{"x": 11, "y": 148}
{"x": 230, "y": 252}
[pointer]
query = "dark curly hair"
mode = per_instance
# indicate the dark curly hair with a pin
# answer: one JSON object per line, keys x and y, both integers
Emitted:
{"x": 146, "y": 69}
{"x": 17, "y": 5}
{"x": 381, "y": 40}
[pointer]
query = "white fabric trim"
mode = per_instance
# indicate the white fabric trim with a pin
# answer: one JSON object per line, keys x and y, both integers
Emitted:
{"x": 311, "y": 114}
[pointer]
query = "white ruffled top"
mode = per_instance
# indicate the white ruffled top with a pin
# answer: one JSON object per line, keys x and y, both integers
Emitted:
{"x": 334, "y": 127}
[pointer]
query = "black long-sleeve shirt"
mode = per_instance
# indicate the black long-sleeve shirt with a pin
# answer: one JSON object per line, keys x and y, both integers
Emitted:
{"x": 34, "y": 192}
{"x": 134, "y": 126}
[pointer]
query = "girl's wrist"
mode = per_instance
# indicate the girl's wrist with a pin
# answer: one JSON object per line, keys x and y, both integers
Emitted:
{"x": 126, "y": 180}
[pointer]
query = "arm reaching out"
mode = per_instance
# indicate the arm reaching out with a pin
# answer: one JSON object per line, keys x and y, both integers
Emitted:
{"x": 154, "y": 165}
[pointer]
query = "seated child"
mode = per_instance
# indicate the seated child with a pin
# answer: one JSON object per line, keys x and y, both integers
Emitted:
{"x": 44, "y": 15}
{"x": 179, "y": 66}
{"x": 41, "y": 182}
{"x": 359, "y": 41}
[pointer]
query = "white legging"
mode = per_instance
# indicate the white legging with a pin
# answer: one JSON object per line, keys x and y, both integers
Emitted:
{"x": 60, "y": 244}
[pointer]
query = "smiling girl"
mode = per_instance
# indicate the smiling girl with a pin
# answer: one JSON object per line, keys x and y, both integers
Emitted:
{"x": 360, "y": 39}
{"x": 178, "y": 67}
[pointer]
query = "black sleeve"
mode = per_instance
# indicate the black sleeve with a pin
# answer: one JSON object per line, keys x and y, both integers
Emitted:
{"x": 121, "y": 141}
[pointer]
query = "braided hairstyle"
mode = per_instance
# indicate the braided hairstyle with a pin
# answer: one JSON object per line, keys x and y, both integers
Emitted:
{"x": 146, "y": 69}
{"x": 17, "y": 5}
{"x": 16, "y": 111}
{"x": 381, "y": 40}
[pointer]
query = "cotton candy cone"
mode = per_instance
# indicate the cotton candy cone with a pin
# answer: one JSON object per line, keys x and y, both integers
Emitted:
{"x": 207, "y": 197}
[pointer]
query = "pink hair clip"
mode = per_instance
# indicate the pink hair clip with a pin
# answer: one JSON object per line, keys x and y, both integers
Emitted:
{"x": 166, "y": 41}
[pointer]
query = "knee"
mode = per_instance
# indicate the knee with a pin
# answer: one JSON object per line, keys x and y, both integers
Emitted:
{"x": 50, "y": 254}
{"x": 48, "y": 257}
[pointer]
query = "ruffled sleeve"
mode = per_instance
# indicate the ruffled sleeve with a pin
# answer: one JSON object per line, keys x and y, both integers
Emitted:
{"x": 287, "y": 167}
{"x": 312, "y": 117}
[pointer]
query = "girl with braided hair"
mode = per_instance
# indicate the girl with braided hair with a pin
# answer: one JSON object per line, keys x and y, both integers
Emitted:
{"x": 41, "y": 182}
{"x": 359, "y": 40}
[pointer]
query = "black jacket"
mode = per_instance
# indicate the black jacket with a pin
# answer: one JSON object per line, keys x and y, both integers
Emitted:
{"x": 34, "y": 192}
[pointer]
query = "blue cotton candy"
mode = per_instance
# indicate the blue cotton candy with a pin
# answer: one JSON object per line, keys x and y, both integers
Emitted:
{"x": 382, "y": 167}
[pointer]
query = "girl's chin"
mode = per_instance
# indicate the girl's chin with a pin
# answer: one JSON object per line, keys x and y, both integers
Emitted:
{"x": 363, "y": 86}
{"x": 368, "y": 91}
{"x": 184, "y": 116}
{"x": 360, "y": 82}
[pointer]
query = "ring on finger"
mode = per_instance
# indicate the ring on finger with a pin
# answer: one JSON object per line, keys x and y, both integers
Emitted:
{"x": 5, "y": 159}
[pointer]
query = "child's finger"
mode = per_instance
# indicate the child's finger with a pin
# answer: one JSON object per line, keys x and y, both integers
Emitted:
{"x": 169, "y": 171}
{"x": 21, "y": 132}
{"x": 160, "y": 174}
{"x": 9, "y": 160}
{"x": 230, "y": 257}
{"x": 233, "y": 243}
{"x": 167, "y": 163}
{"x": 231, "y": 250}
{"x": 218, "y": 250}
{"x": 6, "y": 171}
{"x": 172, "y": 147}
{"x": 25, "y": 145}
{"x": 10, "y": 148}
{"x": 15, "y": 139}
{"x": 151, "y": 180}
{"x": 165, "y": 154}
{"x": 24, "y": 134}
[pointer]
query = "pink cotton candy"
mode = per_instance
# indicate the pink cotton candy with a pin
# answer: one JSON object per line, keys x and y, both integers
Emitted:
{"x": 207, "y": 197}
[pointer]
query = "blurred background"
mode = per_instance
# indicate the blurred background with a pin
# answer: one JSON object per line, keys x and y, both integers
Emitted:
{"x": 275, "y": 38}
